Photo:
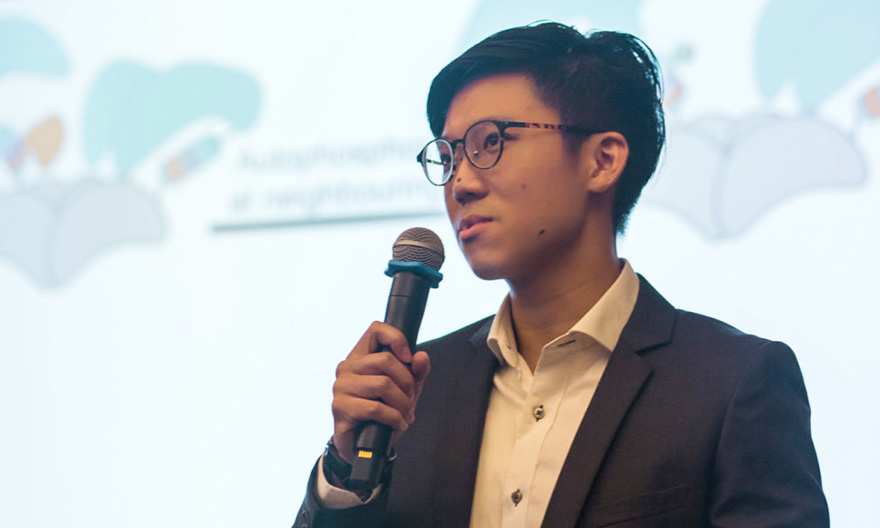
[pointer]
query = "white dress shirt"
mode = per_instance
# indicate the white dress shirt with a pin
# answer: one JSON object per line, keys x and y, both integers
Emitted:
{"x": 533, "y": 417}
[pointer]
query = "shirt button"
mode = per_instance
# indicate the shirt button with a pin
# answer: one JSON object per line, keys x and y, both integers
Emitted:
{"x": 516, "y": 496}
{"x": 538, "y": 412}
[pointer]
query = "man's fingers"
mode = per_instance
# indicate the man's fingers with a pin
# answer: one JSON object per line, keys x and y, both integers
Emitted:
{"x": 377, "y": 388}
{"x": 380, "y": 335}
{"x": 379, "y": 364}
{"x": 352, "y": 410}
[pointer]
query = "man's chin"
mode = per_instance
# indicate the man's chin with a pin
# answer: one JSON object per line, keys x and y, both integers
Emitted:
{"x": 486, "y": 270}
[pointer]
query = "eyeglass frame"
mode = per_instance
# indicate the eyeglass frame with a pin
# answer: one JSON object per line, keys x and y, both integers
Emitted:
{"x": 501, "y": 126}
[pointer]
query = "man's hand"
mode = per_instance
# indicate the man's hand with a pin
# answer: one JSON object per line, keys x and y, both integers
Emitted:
{"x": 380, "y": 386}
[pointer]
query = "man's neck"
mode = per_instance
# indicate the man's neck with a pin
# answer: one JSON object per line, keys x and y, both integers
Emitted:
{"x": 542, "y": 310}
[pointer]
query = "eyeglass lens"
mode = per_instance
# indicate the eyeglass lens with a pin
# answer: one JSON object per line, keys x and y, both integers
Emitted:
{"x": 437, "y": 160}
{"x": 482, "y": 146}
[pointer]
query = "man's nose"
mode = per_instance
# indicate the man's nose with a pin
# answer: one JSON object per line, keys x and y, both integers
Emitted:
{"x": 467, "y": 183}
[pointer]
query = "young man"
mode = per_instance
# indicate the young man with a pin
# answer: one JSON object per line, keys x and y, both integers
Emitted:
{"x": 587, "y": 400}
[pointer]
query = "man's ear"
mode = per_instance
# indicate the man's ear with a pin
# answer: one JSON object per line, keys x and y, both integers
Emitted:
{"x": 607, "y": 155}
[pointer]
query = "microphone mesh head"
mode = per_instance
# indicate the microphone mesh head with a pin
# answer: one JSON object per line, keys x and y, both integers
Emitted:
{"x": 418, "y": 244}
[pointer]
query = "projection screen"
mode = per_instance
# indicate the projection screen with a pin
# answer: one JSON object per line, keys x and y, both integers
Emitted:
{"x": 198, "y": 201}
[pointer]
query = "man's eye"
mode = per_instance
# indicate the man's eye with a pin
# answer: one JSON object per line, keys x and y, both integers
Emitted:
{"x": 492, "y": 140}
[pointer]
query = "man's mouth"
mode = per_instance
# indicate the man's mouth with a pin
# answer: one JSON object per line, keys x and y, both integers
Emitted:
{"x": 471, "y": 225}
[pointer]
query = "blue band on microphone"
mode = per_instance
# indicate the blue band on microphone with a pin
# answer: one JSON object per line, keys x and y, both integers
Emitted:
{"x": 433, "y": 277}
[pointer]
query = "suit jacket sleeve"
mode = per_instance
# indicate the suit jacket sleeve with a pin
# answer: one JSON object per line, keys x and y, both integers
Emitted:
{"x": 766, "y": 473}
{"x": 313, "y": 515}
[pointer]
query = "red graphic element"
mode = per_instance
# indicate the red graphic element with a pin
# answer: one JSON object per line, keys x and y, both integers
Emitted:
{"x": 871, "y": 101}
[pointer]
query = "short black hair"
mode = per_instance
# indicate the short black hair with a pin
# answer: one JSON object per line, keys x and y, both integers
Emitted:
{"x": 603, "y": 80}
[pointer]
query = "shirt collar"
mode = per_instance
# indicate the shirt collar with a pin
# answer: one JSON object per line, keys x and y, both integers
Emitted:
{"x": 603, "y": 322}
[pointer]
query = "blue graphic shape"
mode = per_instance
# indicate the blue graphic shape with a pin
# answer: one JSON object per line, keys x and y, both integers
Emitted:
{"x": 132, "y": 109}
{"x": 9, "y": 143}
{"x": 51, "y": 231}
{"x": 26, "y": 48}
{"x": 816, "y": 45}
{"x": 492, "y": 16}
{"x": 723, "y": 176}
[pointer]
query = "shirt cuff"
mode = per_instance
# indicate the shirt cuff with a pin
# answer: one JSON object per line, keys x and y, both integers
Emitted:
{"x": 334, "y": 498}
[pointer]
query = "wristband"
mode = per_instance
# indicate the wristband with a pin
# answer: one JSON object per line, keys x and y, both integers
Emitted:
{"x": 336, "y": 469}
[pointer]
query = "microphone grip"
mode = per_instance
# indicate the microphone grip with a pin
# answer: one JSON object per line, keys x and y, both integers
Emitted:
{"x": 406, "y": 306}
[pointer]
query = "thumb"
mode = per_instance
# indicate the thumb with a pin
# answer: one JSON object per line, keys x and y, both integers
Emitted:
{"x": 420, "y": 367}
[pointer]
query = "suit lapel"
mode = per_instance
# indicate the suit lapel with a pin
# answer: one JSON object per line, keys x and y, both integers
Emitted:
{"x": 650, "y": 325}
{"x": 458, "y": 455}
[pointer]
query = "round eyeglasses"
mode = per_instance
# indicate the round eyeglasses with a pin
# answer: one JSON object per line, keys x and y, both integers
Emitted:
{"x": 482, "y": 145}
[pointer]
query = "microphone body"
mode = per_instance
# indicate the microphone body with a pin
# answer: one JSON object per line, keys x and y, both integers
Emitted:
{"x": 412, "y": 279}
{"x": 406, "y": 304}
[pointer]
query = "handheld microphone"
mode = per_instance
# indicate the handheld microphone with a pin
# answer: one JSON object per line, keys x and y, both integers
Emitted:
{"x": 416, "y": 259}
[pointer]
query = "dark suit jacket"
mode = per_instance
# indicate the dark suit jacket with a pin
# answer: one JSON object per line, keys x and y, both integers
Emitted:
{"x": 693, "y": 424}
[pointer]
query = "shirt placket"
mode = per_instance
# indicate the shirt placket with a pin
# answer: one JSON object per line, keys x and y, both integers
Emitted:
{"x": 544, "y": 392}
